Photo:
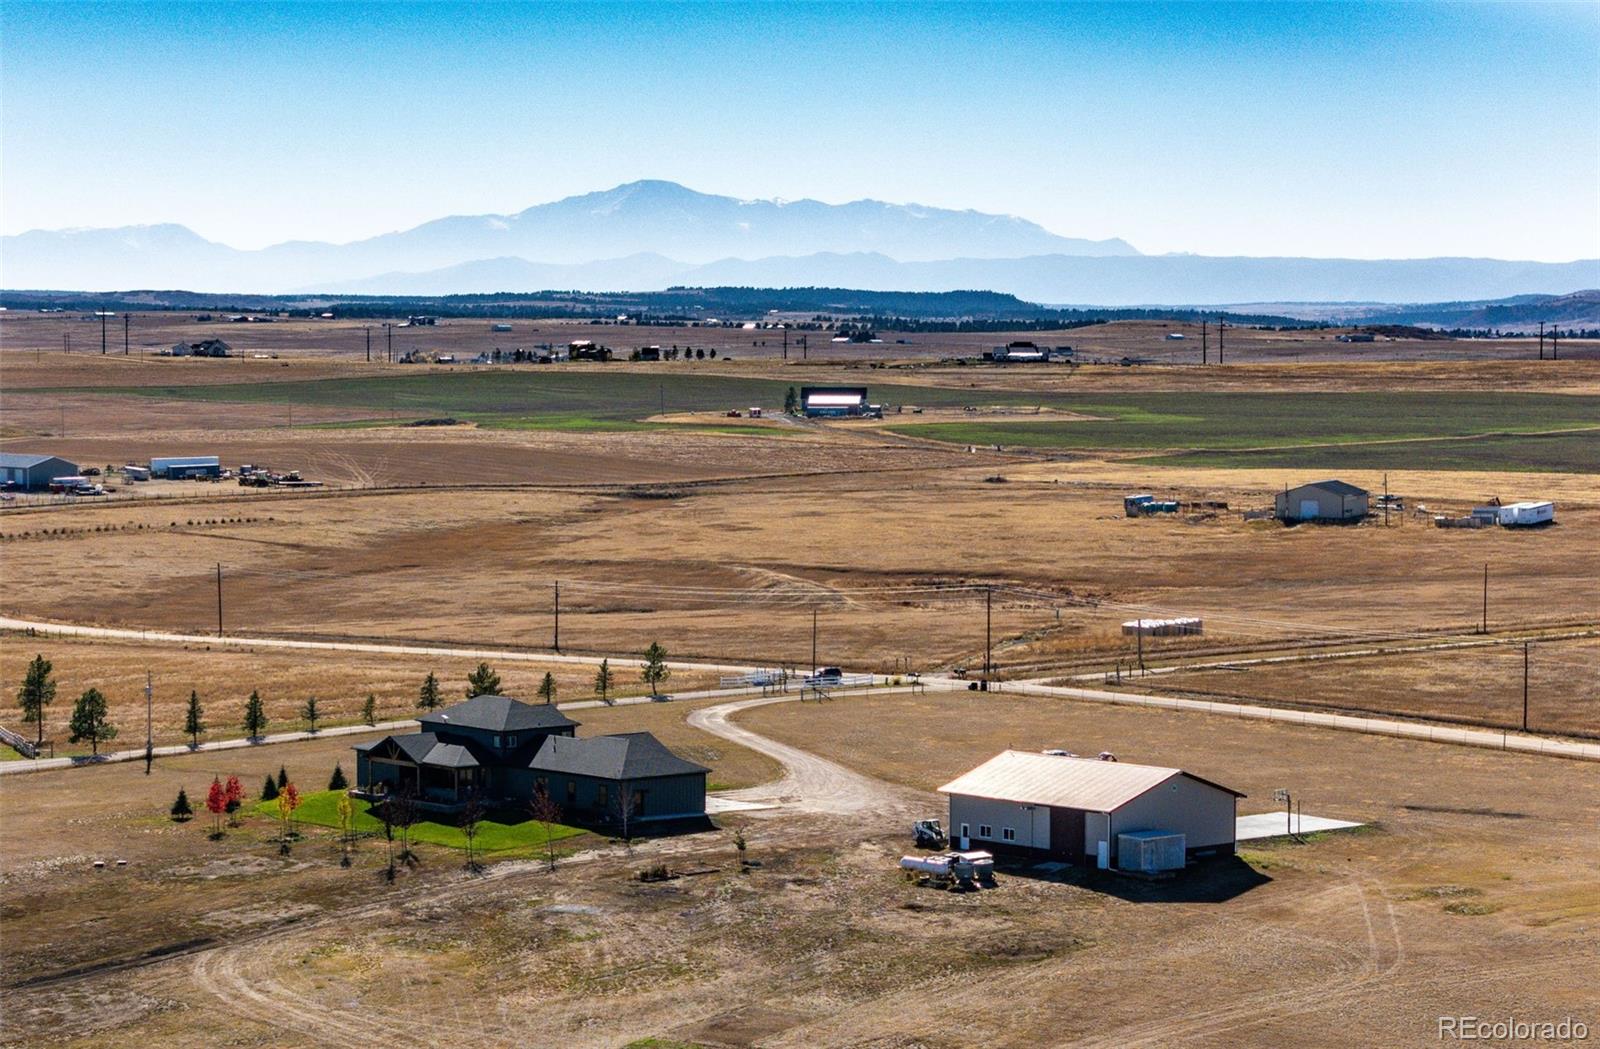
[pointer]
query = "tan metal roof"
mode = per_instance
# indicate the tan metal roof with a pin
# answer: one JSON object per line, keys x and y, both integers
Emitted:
{"x": 1068, "y": 783}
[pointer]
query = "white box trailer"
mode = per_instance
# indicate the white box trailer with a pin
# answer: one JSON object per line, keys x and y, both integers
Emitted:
{"x": 1150, "y": 851}
{"x": 1523, "y": 515}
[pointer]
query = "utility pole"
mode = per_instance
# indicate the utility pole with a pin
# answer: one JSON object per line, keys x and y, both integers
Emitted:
{"x": 813, "y": 641}
{"x": 988, "y": 635}
{"x": 102, "y": 333}
{"x": 125, "y": 318}
{"x": 663, "y": 398}
{"x": 1205, "y": 336}
{"x": 1139, "y": 633}
{"x": 1555, "y": 343}
{"x": 1541, "y": 340}
{"x": 368, "y": 329}
{"x": 149, "y": 723}
{"x": 803, "y": 347}
{"x": 1485, "y": 628}
{"x": 219, "y": 598}
{"x": 555, "y": 642}
{"x": 785, "y": 342}
{"x": 388, "y": 330}
{"x": 1386, "y": 500}
{"x": 1221, "y": 324}
{"x": 1525, "y": 686}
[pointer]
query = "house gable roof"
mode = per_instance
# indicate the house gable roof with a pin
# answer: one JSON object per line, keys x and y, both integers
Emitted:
{"x": 497, "y": 714}
{"x": 424, "y": 748}
{"x": 1334, "y": 486}
{"x": 1062, "y": 782}
{"x": 627, "y": 755}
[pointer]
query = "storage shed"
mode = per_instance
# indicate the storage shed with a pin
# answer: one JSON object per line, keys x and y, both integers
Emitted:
{"x": 178, "y": 467}
{"x": 1322, "y": 501}
{"x": 1074, "y": 809}
{"x": 32, "y": 472}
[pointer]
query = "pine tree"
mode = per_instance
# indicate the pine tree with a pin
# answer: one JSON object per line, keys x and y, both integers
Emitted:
{"x": 310, "y": 713}
{"x": 255, "y": 716}
{"x": 547, "y": 688}
{"x": 37, "y": 692}
{"x": 90, "y": 720}
{"x": 483, "y": 682}
{"x": 269, "y": 790}
{"x": 337, "y": 780}
{"x": 369, "y": 710}
{"x": 428, "y": 698}
{"x": 655, "y": 669}
{"x": 791, "y": 402}
{"x": 181, "y": 809}
{"x": 604, "y": 681}
{"x": 283, "y": 777}
{"x": 192, "y": 723}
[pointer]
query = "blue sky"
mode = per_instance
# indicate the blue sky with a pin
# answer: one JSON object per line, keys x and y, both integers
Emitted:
{"x": 1336, "y": 129}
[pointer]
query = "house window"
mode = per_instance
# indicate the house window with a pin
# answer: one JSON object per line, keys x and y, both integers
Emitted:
{"x": 511, "y": 741}
{"x": 572, "y": 791}
{"x": 601, "y": 796}
{"x": 985, "y": 831}
{"x": 638, "y": 803}
{"x": 497, "y": 741}
{"x": 1008, "y": 834}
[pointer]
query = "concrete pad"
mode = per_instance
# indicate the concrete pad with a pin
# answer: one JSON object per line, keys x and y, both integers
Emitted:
{"x": 715, "y": 805}
{"x": 1275, "y": 825}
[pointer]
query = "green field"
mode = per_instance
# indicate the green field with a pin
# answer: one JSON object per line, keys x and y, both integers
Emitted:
{"x": 321, "y": 809}
{"x": 1248, "y": 429}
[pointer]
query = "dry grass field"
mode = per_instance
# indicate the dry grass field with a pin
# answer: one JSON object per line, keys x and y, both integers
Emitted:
{"x": 1474, "y": 892}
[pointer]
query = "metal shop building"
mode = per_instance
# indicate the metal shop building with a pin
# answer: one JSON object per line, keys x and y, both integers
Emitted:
{"x": 1322, "y": 501}
{"x": 33, "y": 473}
{"x": 825, "y": 402}
{"x": 1086, "y": 810}
{"x": 179, "y": 467}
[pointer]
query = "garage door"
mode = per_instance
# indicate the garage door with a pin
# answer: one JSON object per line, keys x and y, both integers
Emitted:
{"x": 1066, "y": 834}
{"x": 1309, "y": 510}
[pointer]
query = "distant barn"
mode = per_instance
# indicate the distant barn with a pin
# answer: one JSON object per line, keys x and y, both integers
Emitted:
{"x": 1322, "y": 501}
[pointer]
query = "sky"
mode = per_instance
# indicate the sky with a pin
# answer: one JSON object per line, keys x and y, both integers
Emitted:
{"x": 1339, "y": 129}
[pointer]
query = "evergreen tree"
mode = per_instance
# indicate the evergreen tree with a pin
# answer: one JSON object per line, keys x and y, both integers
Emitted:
{"x": 337, "y": 780}
{"x": 37, "y": 692}
{"x": 255, "y": 716}
{"x": 483, "y": 682}
{"x": 90, "y": 720}
{"x": 181, "y": 809}
{"x": 791, "y": 402}
{"x": 369, "y": 710}
{"x": 655, "y": 669}
{"x": 269, "y": 790}
{"x": 547, "y": 688}
{"x": 192, "y": 723}
{"x": 604, "y": 681}
{"x": 428, "y": 698}
{"x": 310, "y": 713}
{"x": 283, "y": 778}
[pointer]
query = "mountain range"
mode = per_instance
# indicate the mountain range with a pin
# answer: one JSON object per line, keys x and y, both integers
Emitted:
{"x": 650, "y": 235}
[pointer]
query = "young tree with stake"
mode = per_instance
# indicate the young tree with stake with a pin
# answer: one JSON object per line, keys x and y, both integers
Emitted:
{"x": 471, "y": 821}
{"x": 255, "y": 716}
{"x": 655, "y": 669}
{"x": 216, "y": 804}
{"x": 604, "y": 682}
{"x": 548, "y": 814}
{"x": 347, "y": 818}
{"x": 91, "y": 721}
{"x": 37, "y": 692}
{"x": 193, "y": 724}
{"x": 547, "y": 688}
{"x": 369, "y": 710}
{"x": 233, "y": 793}
{"x": 428, "y": 696}
{"x": 310, "y": 713}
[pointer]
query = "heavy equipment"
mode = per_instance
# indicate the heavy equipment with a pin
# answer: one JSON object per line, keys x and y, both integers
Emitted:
{"x": 929, "y": 834}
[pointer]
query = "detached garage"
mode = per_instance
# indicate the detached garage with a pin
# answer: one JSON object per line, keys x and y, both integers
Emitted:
{"x": 1322, "y": 501}
{"x": 1087, "y": 811}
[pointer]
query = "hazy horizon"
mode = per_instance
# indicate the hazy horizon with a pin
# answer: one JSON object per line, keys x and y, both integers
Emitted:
{"x": 1336, "y": 131}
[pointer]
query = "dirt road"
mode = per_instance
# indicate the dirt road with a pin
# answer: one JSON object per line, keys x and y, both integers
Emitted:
{"x": 809, "y": 783}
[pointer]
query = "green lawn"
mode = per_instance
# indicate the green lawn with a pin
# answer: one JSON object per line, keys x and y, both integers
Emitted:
{"x": 321, "y": 809}
{"x": 1560, "y": 452}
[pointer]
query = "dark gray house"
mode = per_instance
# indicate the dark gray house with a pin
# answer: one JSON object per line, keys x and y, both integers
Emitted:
{"x": 503, "y": 750}
{"x": 31, "y": 472}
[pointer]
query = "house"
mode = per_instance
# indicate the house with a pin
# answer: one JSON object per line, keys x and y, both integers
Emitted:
{"x": 181, "y": 467}
{"x": 827, "y": 402}
{"x": 33, "y": 473}
{"x": 1322, "y": 501}
{"x": 204, "y": 348}
{"x": 1076, "y": 809}
{"x": 503, "y": 750}
{"x": 1020, "y": 353}
{"x": 1356, "y": 336}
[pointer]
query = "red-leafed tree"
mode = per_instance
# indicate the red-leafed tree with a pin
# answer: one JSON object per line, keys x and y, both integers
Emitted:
{"x": 216, "y": 804}
{"x": 233, "y": 794}
{"x": 292, "y": 795}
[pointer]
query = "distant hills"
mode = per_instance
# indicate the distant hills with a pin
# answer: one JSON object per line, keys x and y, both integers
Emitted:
{"x": 650, "y": 235}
